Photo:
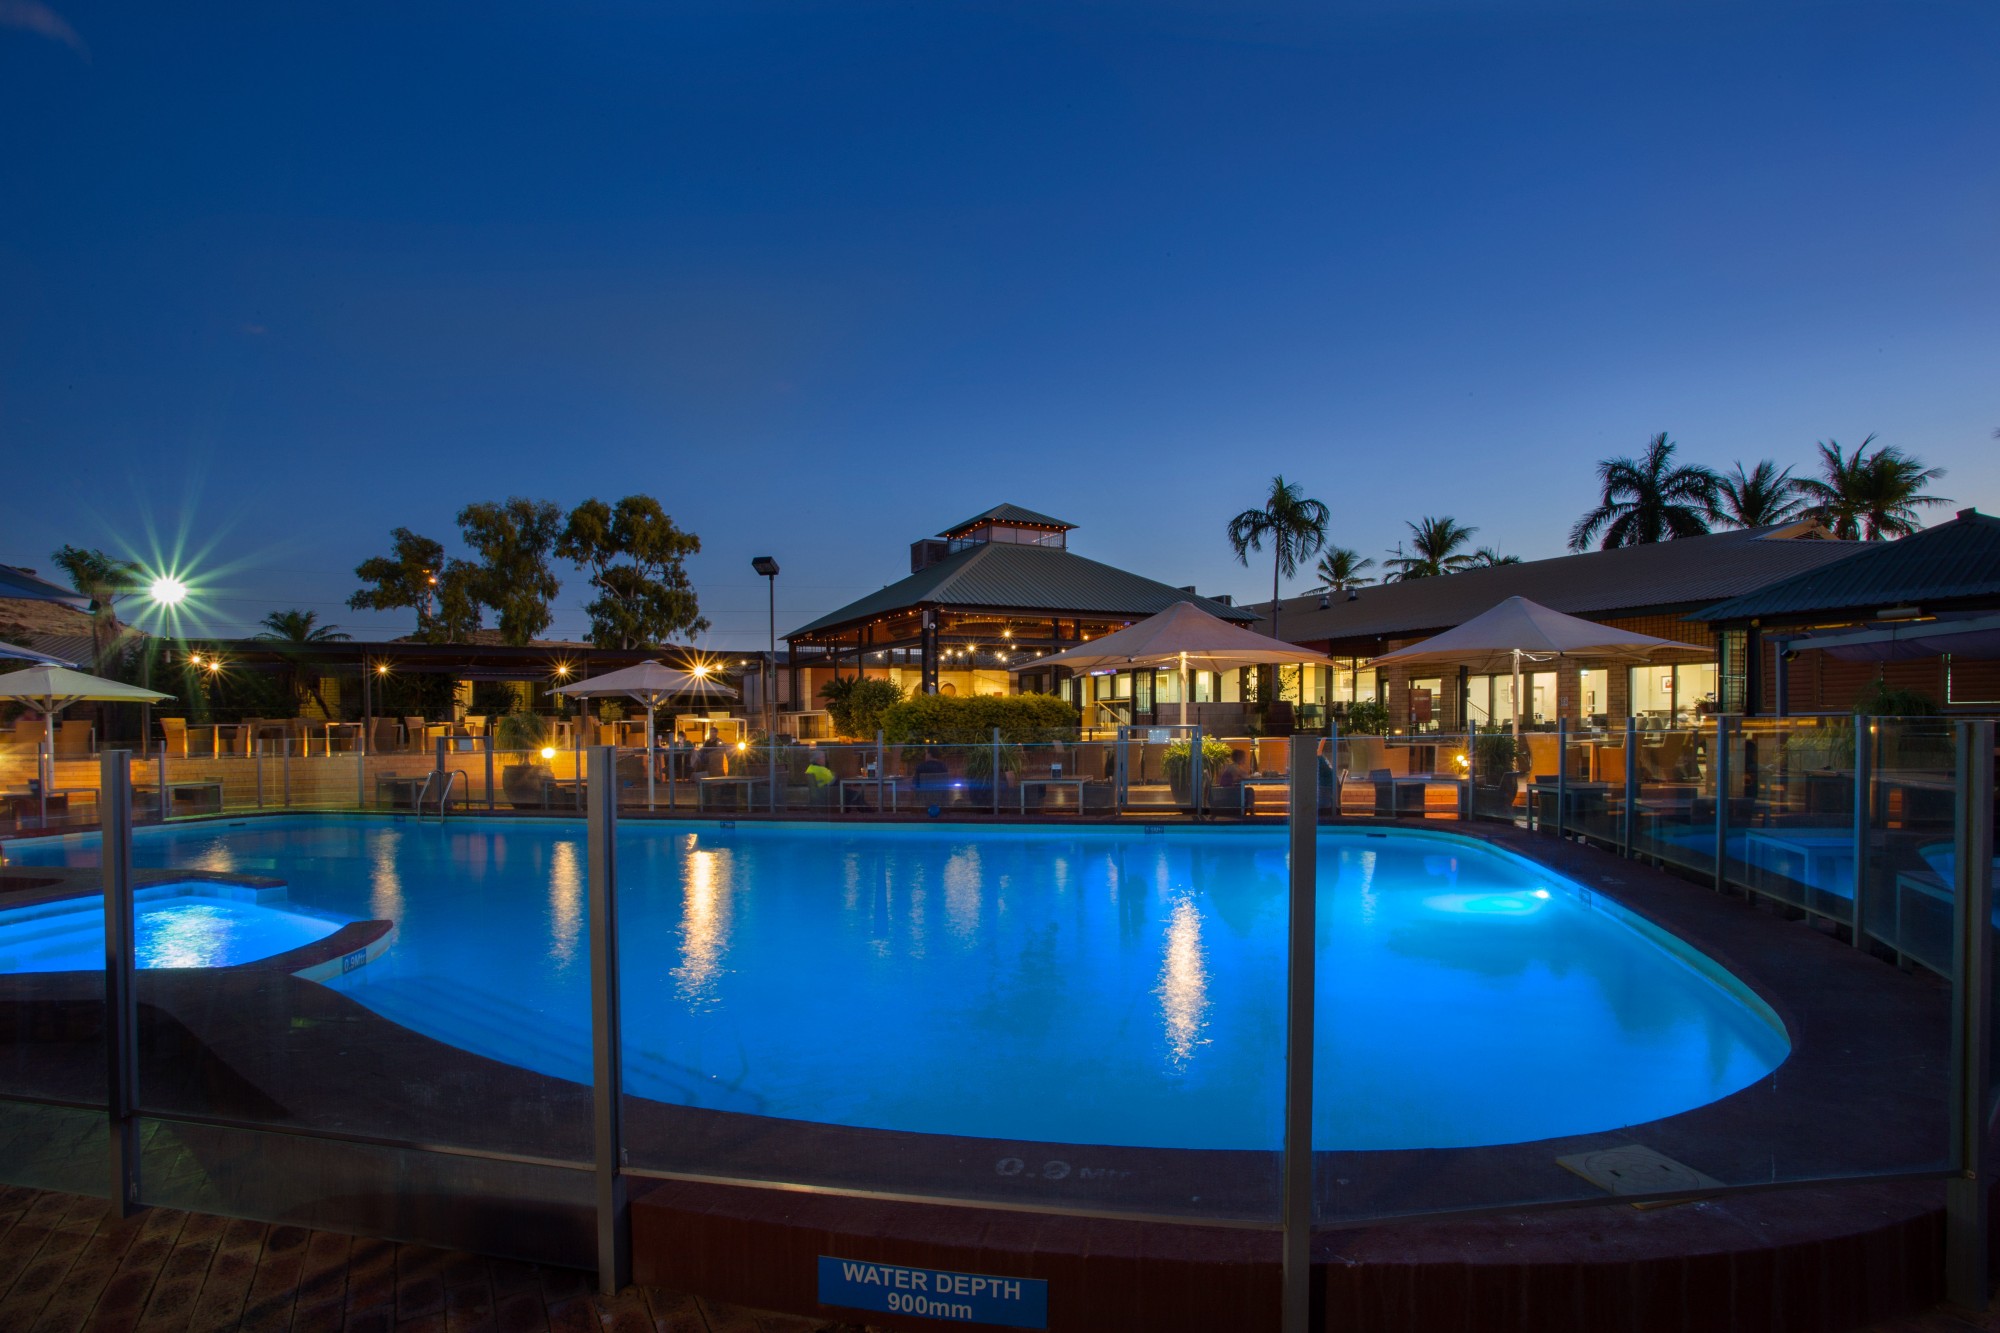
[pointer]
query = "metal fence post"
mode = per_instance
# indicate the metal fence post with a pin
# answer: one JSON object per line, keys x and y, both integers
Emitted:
{"x": 1333, "y": 766}
{"x": 121, "y": 1000}
{"x": 880, "y": 773}
{"x": 1298, "y": 1167}
{"x": 257, "y": 763}
{"x": 285, "y": 773}
{"x": 614, "y": 1238}
{"x": 487, "y": 739}
{"x": 1199, "y": 771}
{"x": 1562, "y": 771}
{"x": 1966, "y": 1210}
{"x": 1121, "y": 785}
{"x": 996, "y": 770}
{"x": 1864, "y": 779}
{"x": 1718, "y": 767}
{"x": 1631, "y": 821}
{"x": 166, "y": 797}
{"x": 771, "y": 741}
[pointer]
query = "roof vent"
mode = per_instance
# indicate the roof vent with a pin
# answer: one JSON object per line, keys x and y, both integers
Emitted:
{"x": 1325, "y": 600}
{"x": 1224, "y": 599}
{"x": 927, "y": 552}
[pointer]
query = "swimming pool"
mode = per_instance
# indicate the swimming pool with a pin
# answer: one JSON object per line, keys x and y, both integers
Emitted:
{"x": 1113, "y": 986}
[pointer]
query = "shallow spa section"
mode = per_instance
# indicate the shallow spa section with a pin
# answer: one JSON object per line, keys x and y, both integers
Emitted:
{"x": 174, "y": 925}
{"x": 1112, "y": 986}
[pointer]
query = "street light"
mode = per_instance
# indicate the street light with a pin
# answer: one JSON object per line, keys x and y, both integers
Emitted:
{"x": 768, "y": 567}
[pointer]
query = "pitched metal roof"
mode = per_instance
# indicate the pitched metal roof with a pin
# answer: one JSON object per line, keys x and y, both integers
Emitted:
{"x": 1658, "y": 576}
{"x": 1006, "y": 514}
{"x": 1001, "y": 576}
{"x": 1949, "y": 562}
{"x": 22, "y": 584}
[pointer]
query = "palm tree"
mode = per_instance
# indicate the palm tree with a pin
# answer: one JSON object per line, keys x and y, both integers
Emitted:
{"x": 103, "y": 579}
{"x": 1340, "y": 569}
{"x": 294, "y": 633}
{"x": 1760, "y": 498}
{"x": 1870, "y": 496}
{"x": 1648, "y": 499}
{"x": 1486, "y": 558}
{"x": 1293, "y": 524}
{"x": 1436, "y": 542}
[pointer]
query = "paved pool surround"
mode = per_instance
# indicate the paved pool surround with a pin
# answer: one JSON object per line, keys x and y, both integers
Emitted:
{"x": 270, "y": 1047}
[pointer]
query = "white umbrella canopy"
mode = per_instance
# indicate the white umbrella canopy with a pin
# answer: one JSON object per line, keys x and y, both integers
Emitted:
{"x": 1183, "y": 636}
{"x": 648, "y": 683}
{"x": 50, "y": 689}
{"x": 1517, "y": 630}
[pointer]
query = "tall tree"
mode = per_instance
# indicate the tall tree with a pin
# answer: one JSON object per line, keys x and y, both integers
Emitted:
{"x": 635, "y": 558}
{"x": 417, "y": 575}
{"x": 1759, "y": 498}
{"x": 514, "y": 539}
{"x": 294, "y": 633}
{"x": 1340, "y": 569}
{"x": 1872, "y": 497}
{"x": 1293, "y": 524}
{"x": 103, "y": 579}
{"x": 1486, "y": 558}
{"x": 1648, "y": 499}
{"x": 1435, "y": 543}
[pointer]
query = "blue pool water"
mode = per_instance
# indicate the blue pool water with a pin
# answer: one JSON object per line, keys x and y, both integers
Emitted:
{"x": 178, "y": 925}
{"x": 1087, "y": 986}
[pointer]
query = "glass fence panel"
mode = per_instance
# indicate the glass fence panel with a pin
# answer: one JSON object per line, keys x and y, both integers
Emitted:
{"x": 1077, "y": 1018}
{"x": 1570, "y": 1026}
{"x": 52, "y": 1029}
{"x": 1674, "y": 807}
{"x": 61, "y": 1148}
{"x": 1908, "y": 891}
{"x": 1791, "y": 833}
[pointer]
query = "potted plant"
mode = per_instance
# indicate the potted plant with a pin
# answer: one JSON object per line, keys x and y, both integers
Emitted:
{"x": 1175, "y": 763}
{"x": 524, "y": 781}
{"x": 1496, "y": 755}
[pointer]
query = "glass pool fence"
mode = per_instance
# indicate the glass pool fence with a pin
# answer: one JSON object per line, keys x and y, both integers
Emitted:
{"x": 262, "y": 1089}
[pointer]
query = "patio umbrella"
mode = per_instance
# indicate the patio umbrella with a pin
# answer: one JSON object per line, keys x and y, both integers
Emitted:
{"x": 1183, "y": 635}
{"x": 50, "y": 689}
{"x": 1519, "y": 629}
{"x": 649, "y": 683}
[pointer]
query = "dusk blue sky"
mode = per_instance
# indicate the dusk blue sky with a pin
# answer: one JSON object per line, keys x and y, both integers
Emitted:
{"x": 275, "y": 279}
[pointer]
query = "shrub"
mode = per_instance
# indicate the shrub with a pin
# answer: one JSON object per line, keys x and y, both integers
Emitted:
{"x": 522, "y": 731}
{"x": 1366, "y": 717}
{"x": 943, "y": 719}
{"x": 1174, "y": 763}
{"x": 857, "y": 703}
{"x": 1879, "y": 700}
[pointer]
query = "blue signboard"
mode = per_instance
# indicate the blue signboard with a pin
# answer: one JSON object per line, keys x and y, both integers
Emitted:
{"x": 934, "y": 1293}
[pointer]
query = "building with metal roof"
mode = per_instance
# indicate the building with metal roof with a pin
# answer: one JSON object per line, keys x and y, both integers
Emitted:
{"x": 1649, "y": 589}
{"x": 1915, "y": 613}
{"x": 978, "y": 596}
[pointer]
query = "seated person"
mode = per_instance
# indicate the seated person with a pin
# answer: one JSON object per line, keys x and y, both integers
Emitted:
{"x": 1231, "y": 772}
{"x": 818, "y": 775}
{"x": 929, "y": 772}
{"x": 1329, "y": 783}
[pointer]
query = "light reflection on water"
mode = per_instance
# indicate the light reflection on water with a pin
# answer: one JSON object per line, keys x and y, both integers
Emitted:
{"x": 565, "y": 901}
{"x": 1183, "y": 987}
{"x": 705, "y": 912}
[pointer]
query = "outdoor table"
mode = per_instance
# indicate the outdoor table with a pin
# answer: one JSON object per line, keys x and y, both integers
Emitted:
{"x": 1398, "y": 783}
{"x": 403, "y": 791}
{"x": 210, "y": 791}
{"x": 572, "y": 787}
{"x": 747, "y": 785}
{"x": 21, "y": 805}
{"x": 1025, "y": 783}
{"x": 1582, "y": 798}
{"x": 877, "y": 783}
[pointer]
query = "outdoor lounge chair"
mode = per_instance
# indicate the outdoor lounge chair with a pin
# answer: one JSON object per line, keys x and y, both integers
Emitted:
{"x": 1394, "y": 798}
{"x": 174, "y": 735}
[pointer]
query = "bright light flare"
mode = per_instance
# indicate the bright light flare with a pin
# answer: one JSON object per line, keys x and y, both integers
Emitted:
{"x": 548, "y": 752}
{"x": 167, "y": 590}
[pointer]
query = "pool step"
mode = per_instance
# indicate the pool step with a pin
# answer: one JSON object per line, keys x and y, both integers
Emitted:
{"x": 506, "y": 1030}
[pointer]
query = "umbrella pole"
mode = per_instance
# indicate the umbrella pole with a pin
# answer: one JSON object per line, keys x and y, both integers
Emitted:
{"x": 652, "y": 702}
{"x": 1517, "y": 705}
{"x": 1184, "y": 689}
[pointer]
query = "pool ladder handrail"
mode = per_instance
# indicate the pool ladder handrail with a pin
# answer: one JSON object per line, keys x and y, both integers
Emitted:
{"x": 450, "y": 776}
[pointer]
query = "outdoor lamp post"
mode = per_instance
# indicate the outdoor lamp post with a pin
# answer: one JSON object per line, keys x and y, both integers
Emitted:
{"x": 768, "y": 567}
